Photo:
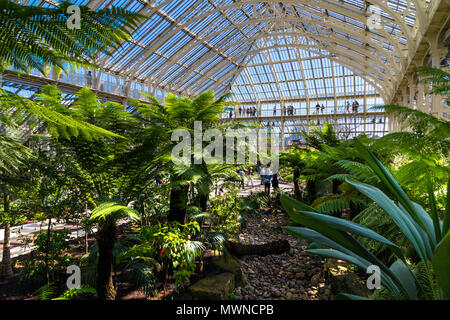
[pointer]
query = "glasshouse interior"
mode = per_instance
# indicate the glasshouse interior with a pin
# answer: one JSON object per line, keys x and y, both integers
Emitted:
{"x": 224, "y": 150}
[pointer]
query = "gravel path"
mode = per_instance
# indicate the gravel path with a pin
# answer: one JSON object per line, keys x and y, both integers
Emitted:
{"x": 294, "y": 275}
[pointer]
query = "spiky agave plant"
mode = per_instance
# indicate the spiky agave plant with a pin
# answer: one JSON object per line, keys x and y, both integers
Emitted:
{"x": 332, "y": 237}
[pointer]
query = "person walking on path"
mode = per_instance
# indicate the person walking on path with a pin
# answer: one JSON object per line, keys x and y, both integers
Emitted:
{"x": 260, "y": 173}
{"x": 250, "y": 177}
{"x": 266, "y": 177}
{"x": 241, "y": 173}
{"x": 275, "y": 184}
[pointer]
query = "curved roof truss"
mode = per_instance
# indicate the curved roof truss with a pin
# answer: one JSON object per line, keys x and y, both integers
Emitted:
{"x": 189, "y": 46}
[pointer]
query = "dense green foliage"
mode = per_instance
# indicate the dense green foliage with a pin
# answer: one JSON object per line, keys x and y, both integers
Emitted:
{"x": 104, "y": 165}
{"x": 388, "y": 207}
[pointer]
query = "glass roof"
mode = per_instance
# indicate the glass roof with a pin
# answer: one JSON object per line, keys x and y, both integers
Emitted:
{"x": 272, "y": 48}
{"x": 293, "y": 74}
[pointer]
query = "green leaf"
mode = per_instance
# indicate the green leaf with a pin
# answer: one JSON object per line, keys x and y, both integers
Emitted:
{"x": 293, "y": 208}
{"x": 386, "y": 279}
{"x": 348, "y": 296}
{"x": 441, "y": 265}
{"x": 318, "y": 241}
{"x": 428, "y": 222}
{"x": 446, "y": 225}
{"x": 113, "y": 210}
{"x": 406, "y": 277}
{"x": 390, "y": 183}
{"x": 334, "y": 223}
{"x": 400, "y": 218}
{"x": 434, "y": 213}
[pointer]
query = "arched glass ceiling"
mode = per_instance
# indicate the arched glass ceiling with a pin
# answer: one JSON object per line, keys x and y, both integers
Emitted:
{"x": 293, "y": 74}
{"x": 189, "y": 46}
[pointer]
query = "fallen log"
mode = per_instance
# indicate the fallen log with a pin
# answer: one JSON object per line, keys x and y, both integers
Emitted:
{"x": 275, "y": 247}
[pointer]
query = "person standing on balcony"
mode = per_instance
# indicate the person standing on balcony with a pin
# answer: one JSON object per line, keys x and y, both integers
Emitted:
{"x": 89, "y": 79}
{"x": 275, "y": 110}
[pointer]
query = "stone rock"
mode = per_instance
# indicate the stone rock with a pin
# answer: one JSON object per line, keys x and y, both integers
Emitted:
{"x": 276, "y": 293}
{"x": 315, "y": 279}
{"x": 230, "y": 264}
{"x": 216, "y": 287}
{"x": 343, "y": 280}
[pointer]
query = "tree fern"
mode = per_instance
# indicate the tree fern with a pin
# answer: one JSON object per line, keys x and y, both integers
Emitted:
{"x": 438, "y": 78}
{"x": 34, "y": 37}
{"x": 71, "y": 294}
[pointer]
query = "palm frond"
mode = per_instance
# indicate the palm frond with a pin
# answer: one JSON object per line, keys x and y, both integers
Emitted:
{"x": 114, "y": 210}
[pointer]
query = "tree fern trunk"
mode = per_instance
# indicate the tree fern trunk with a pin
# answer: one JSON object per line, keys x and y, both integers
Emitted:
{"x": 86, "y": 242}
{"x": 203, "y": 201}
{"x": 336, "y": 184}
{"x": 106, "y": 238}
{"x": 5, "y": 268}
{"x": 178, "y": 201}
{"x": 353, "y": 210}
{"x": 296, "y": 185}
{"x": 311, "y": 193}
{"x": 47, "y": 249}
